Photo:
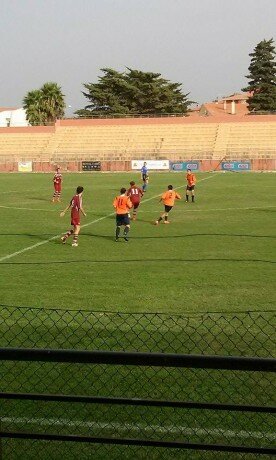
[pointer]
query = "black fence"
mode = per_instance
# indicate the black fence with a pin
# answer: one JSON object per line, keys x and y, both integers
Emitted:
{"x": 103, "y": 405}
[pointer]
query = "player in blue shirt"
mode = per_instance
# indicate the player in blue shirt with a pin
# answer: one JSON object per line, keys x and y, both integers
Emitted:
{"x": 144, "y": 176}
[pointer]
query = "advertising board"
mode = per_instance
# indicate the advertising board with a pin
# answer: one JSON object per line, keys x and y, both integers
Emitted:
{"x": 235, "y": 166}
{"x": 91, "y": 165}
{"x": 25, "y": 166}
{"x": 151, "y": 164}
{"x": 184, "y": 165}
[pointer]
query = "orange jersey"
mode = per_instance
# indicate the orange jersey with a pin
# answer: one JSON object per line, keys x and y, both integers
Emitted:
{"x": 169, "y": 197}
{"x": 191, "y": 179}
{"x": 122, "y": 204}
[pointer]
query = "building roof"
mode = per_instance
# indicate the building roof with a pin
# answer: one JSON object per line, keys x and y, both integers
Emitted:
{"x": 217, "y": 108}
{"x": 7, "y": 109}
{"x": 236, "y": 97}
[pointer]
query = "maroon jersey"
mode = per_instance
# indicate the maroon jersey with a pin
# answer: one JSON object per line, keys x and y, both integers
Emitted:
{"x": 57, "y": 178}
{"x": 76, "y": 204}
{"x": 135, "y": 194}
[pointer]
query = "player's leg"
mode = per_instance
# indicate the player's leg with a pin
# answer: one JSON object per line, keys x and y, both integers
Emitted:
{"x": 167, "y": 210}
{"x": 146, "y": 184}
{"x": 187, "y": 193}
{"x": 126, "y": 223}
{"x": 76, "y": 235}
{"x": 126, "y": 230}
{"x": 193, "y": 193}
{"x": 67, "y": 234}
{"x": 58, "y": 193}
{"x": 134, "y": 213}
{"x": 118, "y": 227}
{"x": 161, "y": 217}
{"x": 166, "y": 218}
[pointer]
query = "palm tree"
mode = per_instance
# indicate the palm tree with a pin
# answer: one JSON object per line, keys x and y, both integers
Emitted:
{"x": 32, "y": 105}
{"x": 52, "y": 100}
{"x": 43, "y": 106}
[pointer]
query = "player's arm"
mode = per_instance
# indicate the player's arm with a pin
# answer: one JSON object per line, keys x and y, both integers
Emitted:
{"x": 129, "y": 203}
{"x": 177, "y": 196}
{"x": 163, "y": 197}
{"x": 65, "y": 210}
{"x": 83, "y": 212}
{"x": 115, "y": 203}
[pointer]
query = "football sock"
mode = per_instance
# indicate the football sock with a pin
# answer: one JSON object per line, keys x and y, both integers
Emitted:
{"x": 117, "y": 232}
{"x": 187, "y": 197}
{"x": 193, "y": 198}
{"x": 67, "y": 234}
{"x": 126, "y": 230}
{"x": 75, "y": 238}
{"x": 166, "y": 218}
{"x": 160, "y": 218}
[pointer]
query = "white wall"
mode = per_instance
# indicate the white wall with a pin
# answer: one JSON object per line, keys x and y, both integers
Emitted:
{"x": 16, "y": 117}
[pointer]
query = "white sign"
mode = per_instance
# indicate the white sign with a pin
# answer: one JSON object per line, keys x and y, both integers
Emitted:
{"x": 151, "y": 164}
{"x": 25, "y": 166}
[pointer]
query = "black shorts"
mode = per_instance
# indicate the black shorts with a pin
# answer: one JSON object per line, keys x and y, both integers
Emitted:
{"x": 168, "y": 208}
{"x": 145, "y": 177}
{"x": 190, "y": 187}
{"x": 122, "y": 219}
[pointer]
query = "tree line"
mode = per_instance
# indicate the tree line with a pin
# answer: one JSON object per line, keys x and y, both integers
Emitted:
{"x": 134, "y": 92}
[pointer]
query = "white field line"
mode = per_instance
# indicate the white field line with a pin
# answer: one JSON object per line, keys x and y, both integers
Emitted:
{"x": 138, "y": 427}
{"x": 29, "y": 248}
{"x": 28, "y": 209}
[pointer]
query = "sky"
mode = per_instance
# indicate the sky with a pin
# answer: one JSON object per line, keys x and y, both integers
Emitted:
{"x": 202, "y": 44}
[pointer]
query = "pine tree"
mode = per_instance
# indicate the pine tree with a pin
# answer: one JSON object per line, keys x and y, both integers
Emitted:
{"x": 262, "y": 78}
{"x": 133, "y": 93}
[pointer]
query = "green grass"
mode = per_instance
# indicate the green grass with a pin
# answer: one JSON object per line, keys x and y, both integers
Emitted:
{"x": 216, "y": 255}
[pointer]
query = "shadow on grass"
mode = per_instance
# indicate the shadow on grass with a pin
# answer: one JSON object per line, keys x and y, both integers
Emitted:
{"x": 110, "y": 237}
{"x": 143, "y": 261}
{"x": 191, "y": 235}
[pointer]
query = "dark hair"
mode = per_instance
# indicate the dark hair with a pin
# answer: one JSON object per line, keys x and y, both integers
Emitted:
{"x": 132, "y": 183}
{"x": 170, "y": 187}
{"x": 123, "y": 190}
{"x": 189, "y": 170}
{"x": 79, "y": 189}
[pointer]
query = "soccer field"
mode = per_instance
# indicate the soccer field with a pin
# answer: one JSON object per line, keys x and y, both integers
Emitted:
{"x": 218, "y": 254}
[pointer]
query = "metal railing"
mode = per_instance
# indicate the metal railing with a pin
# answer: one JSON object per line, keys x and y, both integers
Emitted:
{"x": 155, "y": 401}
{"x": 151, "y": 423}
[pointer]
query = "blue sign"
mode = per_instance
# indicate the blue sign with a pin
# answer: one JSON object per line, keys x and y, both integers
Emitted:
{"x": 184, "y": 165}
{"x": 235, "y": 166}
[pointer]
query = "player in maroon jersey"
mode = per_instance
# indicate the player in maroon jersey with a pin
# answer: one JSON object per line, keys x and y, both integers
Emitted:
{"x": 57, "y": 185}
{"x": 76, "y": 207}
{"x": 135, "y": 194}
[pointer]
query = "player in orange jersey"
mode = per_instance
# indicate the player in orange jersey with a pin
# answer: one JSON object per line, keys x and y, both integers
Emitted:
{"x": 122, "y": 205}
{"x": 191, "y": 181}
{"x": 168, "y": 198}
